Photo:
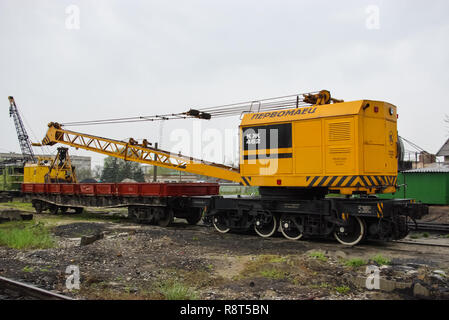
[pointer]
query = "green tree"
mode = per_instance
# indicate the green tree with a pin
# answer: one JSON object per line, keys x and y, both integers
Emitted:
{"x": 116, "y": 170}
{"x": 83, "y": 174}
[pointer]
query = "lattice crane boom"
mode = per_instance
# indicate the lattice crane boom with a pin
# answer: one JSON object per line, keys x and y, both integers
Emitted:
{"x": 24, "y": 141}
{"x": 142, "y": 153}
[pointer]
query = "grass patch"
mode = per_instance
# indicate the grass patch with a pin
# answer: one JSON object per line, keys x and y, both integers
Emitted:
{"x": 355, "y": 262}
{"x": 323, "y": 285}
{"x": 343, "y": 289}
{"x": 380, "y": 260}
{"x": 445, "y": 236}
{"x": 318, "y": 255}
{"x": 28, "y": 269}
{"x": 18, "y": 205}
{"x": 273, "y": 274}
{"x": 25, "y": 235}
{"x": 177, "y": 291}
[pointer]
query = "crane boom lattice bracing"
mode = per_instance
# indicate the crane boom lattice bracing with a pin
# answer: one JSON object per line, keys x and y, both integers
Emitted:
{"x": 132, "y": 151}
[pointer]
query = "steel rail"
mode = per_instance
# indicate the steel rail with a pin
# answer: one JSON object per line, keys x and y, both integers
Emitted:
{"x": 428, "y": 226}
{"x": 29, "y": 291}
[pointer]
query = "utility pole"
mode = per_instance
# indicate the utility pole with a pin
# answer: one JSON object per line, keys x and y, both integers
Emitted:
{"x": 155, "y": 167}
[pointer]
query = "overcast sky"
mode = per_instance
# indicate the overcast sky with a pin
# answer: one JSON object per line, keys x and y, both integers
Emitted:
{"x": 131, "y": 58}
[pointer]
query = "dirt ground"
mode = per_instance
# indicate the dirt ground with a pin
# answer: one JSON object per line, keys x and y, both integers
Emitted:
{"x": 135, "y": 261}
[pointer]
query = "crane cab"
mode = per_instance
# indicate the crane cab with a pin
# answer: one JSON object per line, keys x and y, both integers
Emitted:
{"x": 345, "y": 147}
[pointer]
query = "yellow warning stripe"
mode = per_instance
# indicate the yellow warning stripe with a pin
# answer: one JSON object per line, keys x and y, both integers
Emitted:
{"x": 351, "y": 181}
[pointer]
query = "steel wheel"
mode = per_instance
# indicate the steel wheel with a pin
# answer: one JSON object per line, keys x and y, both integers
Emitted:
{"x": 195, "y": 216}
{"x": 54, "y": 209}
{"x": 351, "y": 234}
{"x": 165, "y": 217}
{"x": 289, "y": 229}
{"x": 265, "y": 228}
{"x": 220, "y": 225}
{"x": 38, "y": 207}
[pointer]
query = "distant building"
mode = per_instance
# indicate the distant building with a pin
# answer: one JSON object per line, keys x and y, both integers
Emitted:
{"x": 444, "y": 151}
{"x": 79, "y": 162}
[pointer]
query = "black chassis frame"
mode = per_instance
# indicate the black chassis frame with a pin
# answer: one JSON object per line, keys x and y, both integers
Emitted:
{"x": 384, "y": 219}
{"x": 183, "y": 207}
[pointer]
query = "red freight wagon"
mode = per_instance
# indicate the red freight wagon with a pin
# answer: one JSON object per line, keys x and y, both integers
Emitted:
{"x": 124, "y": 189}
{"x": 147, "y": 202}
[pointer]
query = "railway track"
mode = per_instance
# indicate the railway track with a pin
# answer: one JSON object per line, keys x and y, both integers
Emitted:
{"x": 15, "y": 290}
{"x": 428, "y": 226}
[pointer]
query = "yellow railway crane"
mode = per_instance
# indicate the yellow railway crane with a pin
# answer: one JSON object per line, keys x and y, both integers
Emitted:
{"x": 348, "y": 147}
{"x": 295, "y": 148}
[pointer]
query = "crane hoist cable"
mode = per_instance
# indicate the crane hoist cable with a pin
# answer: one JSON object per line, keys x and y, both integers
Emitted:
{"x": 227, "y": 110}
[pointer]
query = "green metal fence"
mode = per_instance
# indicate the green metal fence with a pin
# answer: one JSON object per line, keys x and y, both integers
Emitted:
{"x": 427, "y": 187}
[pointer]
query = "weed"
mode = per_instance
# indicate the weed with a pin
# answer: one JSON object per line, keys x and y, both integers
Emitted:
{"x": 278, "y": 259}
{"x": 322, "y": 285}
{"x": 380, "y": 260}
{"x": 343, "y": 289}
{"x": 318, "y": 255}
{"x": 195, "y": 239}
{"x": 28, "y": 269}
{"x": 425, "y": 234}
{"x": 177, "y": 291}
{"x": 355, "y": 262}
{"x": 273, "y": 274}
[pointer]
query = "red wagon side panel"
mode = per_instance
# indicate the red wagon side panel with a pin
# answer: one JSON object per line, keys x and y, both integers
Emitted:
{"x": 69, "y": 188}
{"x": 125, "y": 189}
{"x": 105, "y": 188}
{"x": 128, "y": 189}
{"x": 87, "y": 189}
{"x": 54, "y": 188}
{"x": 27, "y": 187}
{"x": 191, "y": 189}
{"x": 151, "y": 189}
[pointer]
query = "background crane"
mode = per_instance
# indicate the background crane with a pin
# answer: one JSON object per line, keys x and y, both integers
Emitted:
{"x": 24, "y": 141}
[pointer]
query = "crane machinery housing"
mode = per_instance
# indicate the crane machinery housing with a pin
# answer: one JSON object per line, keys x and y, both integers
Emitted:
{"x": 318, "y": 162}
